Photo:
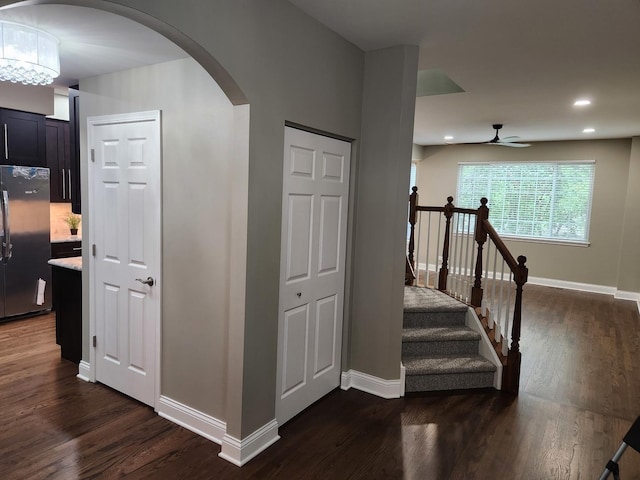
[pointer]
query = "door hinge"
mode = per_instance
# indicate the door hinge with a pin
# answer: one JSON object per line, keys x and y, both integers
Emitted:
{"x": 93, "y": 249}
{"x": 95, "y": 341}
{"x": 93, "y": 154}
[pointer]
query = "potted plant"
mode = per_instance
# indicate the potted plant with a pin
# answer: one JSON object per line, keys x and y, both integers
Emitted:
{"x": 73, "y": 221}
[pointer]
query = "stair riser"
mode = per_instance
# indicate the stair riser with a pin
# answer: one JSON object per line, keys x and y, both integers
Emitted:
{"x": 457, "y": 381}
{"x": 433, "y": 319}
{"x": 410, "y": 349}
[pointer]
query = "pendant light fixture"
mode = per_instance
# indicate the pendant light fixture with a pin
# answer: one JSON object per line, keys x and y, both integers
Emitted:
{"x": 27, "y": 55}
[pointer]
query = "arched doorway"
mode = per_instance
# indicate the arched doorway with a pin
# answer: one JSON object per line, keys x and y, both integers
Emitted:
{"x": 194, "y": 342}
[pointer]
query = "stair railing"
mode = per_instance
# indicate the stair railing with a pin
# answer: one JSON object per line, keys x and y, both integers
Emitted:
{"x": 474, "y": 266}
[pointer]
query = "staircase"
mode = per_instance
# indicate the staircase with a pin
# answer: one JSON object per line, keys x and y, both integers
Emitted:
{"x": 439, "y": 351}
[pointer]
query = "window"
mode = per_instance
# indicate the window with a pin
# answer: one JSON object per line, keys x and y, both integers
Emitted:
{"x": 412, "y": 179}
{"x": 542, "y": 200}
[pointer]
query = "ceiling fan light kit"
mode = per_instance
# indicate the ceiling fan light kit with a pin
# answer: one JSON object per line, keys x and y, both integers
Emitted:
{"x": 506, "y": 141}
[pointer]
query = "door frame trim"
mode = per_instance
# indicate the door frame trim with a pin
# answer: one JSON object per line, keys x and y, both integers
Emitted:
{"x": 92, "y": 121}
{"x": 317, "y": 131}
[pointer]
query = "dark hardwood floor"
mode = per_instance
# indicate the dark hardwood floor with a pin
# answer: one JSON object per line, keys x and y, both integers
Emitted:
{"x": 579, "y": 394}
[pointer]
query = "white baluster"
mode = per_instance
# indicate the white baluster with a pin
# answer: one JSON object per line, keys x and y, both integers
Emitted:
{"x": 451, "y": 281}
{"x": 508, "y": 318}
{"x": 487, "y": 256}
{"x": 438, "y": 251}
{"x": 492, "y": 313}
{"x": 417, "y": 244}
{"x": 426, "y": 280}
{"x": 500, "y": 306}
{"x": 468, "y": 283}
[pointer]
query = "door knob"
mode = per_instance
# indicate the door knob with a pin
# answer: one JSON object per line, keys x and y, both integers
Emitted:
{"x": 149, "y": 281}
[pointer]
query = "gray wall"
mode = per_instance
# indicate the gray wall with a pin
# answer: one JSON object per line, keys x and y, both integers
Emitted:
{"x": 629, "y": 266}
{"x": 596, "y": 264}
{"x": 381, "y": 213}
{"x": 287, "y": 67}
{"x": 197, "y": 148}
{"x": 417, "y": 152}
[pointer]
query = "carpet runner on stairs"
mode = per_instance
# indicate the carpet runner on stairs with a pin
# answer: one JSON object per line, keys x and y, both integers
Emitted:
{"x": 439, "y": 351}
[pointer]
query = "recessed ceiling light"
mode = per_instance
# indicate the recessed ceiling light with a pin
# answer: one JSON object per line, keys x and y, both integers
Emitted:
{"x": 448, "y": 137}
{"x": 588, "y": 130}
{"x": 582, "y": 102}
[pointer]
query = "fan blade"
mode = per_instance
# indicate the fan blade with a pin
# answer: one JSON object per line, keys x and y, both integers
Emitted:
{"x": 510, "y": 139}
{"x": 508, "y": 144}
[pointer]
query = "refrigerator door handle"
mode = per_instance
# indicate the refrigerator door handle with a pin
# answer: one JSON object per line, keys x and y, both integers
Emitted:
{"x": 64, "y": 186}
{"x": 69, "y": 184}
{"x": 6, "y": 244}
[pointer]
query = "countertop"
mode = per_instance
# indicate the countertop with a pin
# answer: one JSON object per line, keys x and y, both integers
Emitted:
{"x": 66, "y": 238}
{"x": 72, "y": 263}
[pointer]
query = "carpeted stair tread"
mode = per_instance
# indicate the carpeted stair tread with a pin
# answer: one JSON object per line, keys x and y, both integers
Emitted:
{"x": 447, "y": 364}
{"x": 439, "y": 350}
{"x": 439, "y": 334}
{"x": 420, "y": 299}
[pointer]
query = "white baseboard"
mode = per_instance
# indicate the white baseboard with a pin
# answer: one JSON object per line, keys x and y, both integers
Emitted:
{"x": 633, "y": 296}
{"x": 370, "y": 384}
{"x": 583, "y": 287}
{"x": 192, "y": 419}
{"x": 621, "y": 294}
{"x": 240, "y": 452}
{"x": 587, "y": 287}
{"x": 84, "y": 371}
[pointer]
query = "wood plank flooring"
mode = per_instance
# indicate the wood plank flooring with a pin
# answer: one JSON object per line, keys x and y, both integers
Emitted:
{"x": 580, "y": 393}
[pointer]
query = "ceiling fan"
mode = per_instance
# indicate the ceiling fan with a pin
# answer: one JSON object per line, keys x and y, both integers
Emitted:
{"x": 506, "y": 141}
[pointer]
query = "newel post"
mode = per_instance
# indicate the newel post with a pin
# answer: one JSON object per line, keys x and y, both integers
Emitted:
{"x": 481, "y": 238}
{"x": 444, "y": 270}
{"x": 413, "y": 202}
{"x": 515, "y": 357}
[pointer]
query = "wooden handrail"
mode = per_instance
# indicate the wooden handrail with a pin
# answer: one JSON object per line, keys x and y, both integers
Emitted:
{"x": 483, "y": 231}
{"x": 502, "y": 248}
{"x": 470, "y": 211}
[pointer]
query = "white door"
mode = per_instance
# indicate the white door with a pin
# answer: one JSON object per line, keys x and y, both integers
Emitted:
{"x": 125, "y": 219}
{"x": 312, "y": 269}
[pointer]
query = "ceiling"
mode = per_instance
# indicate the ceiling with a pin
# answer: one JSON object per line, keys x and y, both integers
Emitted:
{"x": 94, "y": 42}
{"x": 521, "y": 63}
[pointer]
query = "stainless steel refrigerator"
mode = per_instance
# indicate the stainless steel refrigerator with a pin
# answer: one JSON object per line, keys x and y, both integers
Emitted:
{"x": 25, "y": 248}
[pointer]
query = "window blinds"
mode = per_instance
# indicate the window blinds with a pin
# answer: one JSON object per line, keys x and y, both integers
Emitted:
{"x": 540, "y": 200}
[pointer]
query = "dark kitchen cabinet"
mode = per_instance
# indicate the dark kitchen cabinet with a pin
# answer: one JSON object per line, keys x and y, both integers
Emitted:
{"x": 59, "y": 160}
{"x": 66, "y": 249}
{"x": 67, "y": 297}
{"x": 74, "y": 145}
{"x": 23, "y": 138}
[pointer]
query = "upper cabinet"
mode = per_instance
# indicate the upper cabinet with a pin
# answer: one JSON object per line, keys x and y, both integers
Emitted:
{"x": 23, "y": 138}
{"x": 59, "y": 160}
{"x": 74, "y": 145}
